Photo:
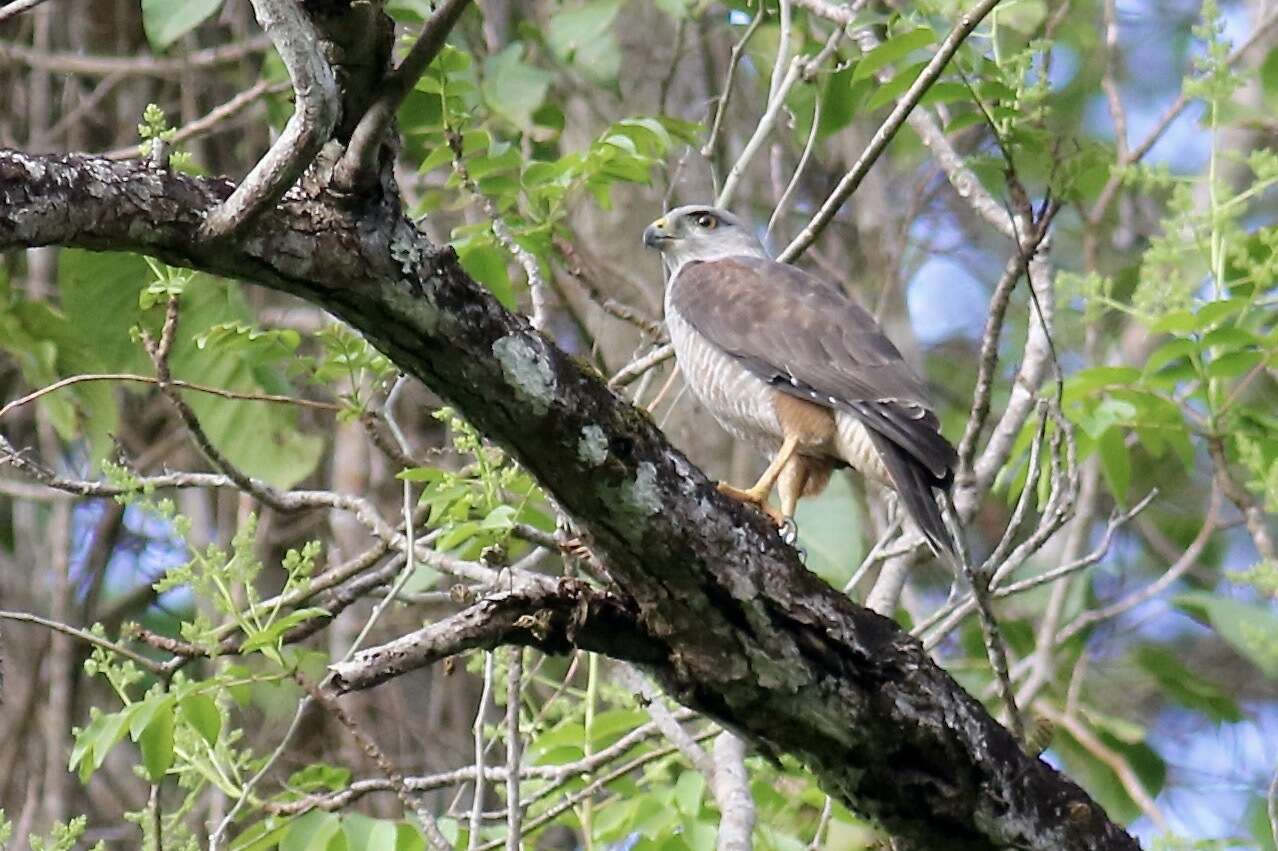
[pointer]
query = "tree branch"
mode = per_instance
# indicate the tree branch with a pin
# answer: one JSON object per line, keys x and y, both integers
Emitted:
{"x": 725, "y": 615}
{"x": 314, "y": 115}
{"x": 358, "y": 166}
{"x": 879, "y": 142}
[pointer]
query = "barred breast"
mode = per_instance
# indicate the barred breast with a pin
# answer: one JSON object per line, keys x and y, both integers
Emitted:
{"x": 739, "y": 400}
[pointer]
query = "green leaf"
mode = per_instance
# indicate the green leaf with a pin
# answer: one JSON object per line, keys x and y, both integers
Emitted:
{"x": 94, "y": 742}
{"x": 1111, "y": 411}
{"x": 1250, "y": 628}
{"x": 964, "y": 121}
{"x": 888, "y": 92}
{"x": 1173, "y": 350}
{"x": 311, "y": 832}
{"x": 612, "y": 724}
{"x": 944, "y": 91}
{"x": 144, "y": 711}
{"x": 156, "y": 743}
{"x": 1269, "y": 77}
{"x": 269, "y": 636}
{"x": 1115, "y": 463}
{"x": 368, "y": 834}
{"x": 567, "y": 732}
{"x": 1232, "y": 337}
{"x": 1214, "y": 311}
{"x": 512, "y": 88}
{"x": 1176, "y": 322}
{"x": 165, "y": 21}
{"x": 409, "y": 838}
{"x": 265, "y": 835}
{"x": 891, "y": 50}
{"x": 487, "y": 264}
{"x": 688, "y": 792}
{"x": 1233, "y": 364}
{"x": 583, "y": 37}
{"x": 1185, "y": 687}
{"x": 200, "y": 711}
{"x": 1086, "y": 380}
{"x": 319, "y": 776}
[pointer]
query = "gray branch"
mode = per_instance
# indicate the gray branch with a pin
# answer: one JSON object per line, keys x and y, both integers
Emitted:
{"x": 716, "y": 606}
{"x": 314, "y": 115}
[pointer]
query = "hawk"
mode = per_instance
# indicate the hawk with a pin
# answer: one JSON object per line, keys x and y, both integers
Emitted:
{"x": 797, "y": 368}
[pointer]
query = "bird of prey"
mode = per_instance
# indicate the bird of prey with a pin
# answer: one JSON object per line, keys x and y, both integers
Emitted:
{"x": 794, "y": 366}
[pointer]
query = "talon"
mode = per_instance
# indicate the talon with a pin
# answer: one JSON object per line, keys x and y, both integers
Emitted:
{"x": 753, "y": 497}
{"x": 576, "y": 548}
{"x": 790, "y": 531}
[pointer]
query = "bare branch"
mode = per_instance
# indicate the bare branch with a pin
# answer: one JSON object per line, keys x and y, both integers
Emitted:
{"x": 175, "y": 382}
{"x": 1253, "y": 511}
{"x": 840, "y": 13}
{"x": 987, "y": 361}
{"x": 358, "y": 167}
{"x": 17, "y": 7}
{"x": 721, "y": 103}
{"x": 667, "y": 722}
{"x": 639, "y": 366}
{"x": 85, "y": 636}
{"x": 1177, "y": 569}
{"x": 514, "y": 742}
{"x": 1116, "y": 761}
{"x": 572, "y": 615}
{"x": 151, "y": 66}
{"x": 217, "y": 118}
{"x": 731, "y": 786}
{"x": 879, "y": 142}
{"x": 315, "y": 114}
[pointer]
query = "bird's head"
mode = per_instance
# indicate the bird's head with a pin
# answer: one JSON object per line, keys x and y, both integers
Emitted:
{"x": 699, "y": 233}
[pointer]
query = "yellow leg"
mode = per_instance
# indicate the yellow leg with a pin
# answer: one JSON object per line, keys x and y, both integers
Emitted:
{"x": 794, "y": 478}
{"x": 758, "y": 493}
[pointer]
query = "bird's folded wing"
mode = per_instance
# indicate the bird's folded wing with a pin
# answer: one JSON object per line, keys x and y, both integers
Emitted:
{"x": 809, "y": 340}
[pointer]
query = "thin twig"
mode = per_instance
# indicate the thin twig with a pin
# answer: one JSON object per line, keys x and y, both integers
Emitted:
{"x": 477, "y": 805}
{"x": 887, "y": 130}
{"x": 514, "y": 743}
{"x": 85, "y": 636}
{"x": 358, "y": 167}
{"x": 639, "y": 366}
{"x": 151, "y": 66}
{"x": 212, "y": 121}
{"x": 1117, "y": 762}
{"x": 721, "y": 103}
{"x": 537, "y": 287}
{"x": 174, "y": 382}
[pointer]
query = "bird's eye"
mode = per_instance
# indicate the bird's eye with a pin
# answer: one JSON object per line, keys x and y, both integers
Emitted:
{"x": 707, "y": 221}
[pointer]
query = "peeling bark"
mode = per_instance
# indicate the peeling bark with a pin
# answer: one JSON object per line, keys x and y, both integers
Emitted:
{"x": 744, "y": 632}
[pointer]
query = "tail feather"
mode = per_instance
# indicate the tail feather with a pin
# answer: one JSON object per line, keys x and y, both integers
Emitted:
{"x": 916, "y": 486}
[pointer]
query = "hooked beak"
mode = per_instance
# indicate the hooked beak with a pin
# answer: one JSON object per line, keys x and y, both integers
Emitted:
{"x": 655, "y": 234}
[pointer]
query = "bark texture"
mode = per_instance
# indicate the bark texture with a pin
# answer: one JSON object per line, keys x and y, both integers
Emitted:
{"x": 718, "y": 608}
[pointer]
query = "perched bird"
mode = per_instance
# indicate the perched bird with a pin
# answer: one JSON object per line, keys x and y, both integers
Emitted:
{"x": 793, "y": 365}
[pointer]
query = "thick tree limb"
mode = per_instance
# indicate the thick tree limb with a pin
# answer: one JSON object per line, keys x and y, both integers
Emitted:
{"x": 572, "y": 615}
{"x": 745, "y": 633}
